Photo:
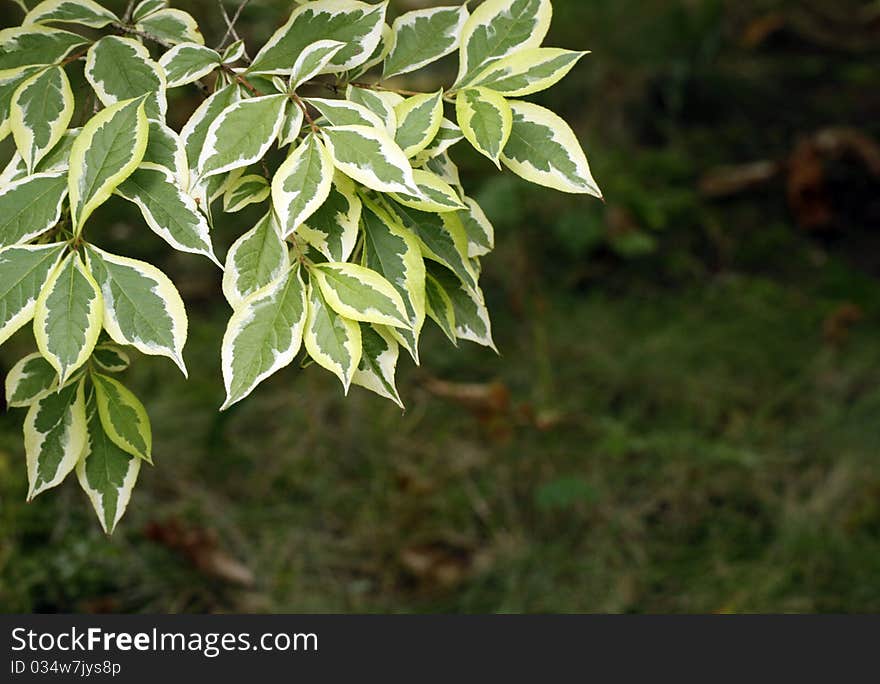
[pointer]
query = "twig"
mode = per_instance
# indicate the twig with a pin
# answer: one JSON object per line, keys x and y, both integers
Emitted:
{"x": 230, "y": 23}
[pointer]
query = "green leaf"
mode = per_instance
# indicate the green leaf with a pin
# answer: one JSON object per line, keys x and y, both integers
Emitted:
{"x": 106, "y": 473}
{"x": 68, "y": 316}
{"x": 528, "y": 71}
{"x": 26, "y": 45}
{"x": 418, "y": 121}
{"x": 442, "y": 238}
{"x": 394, "y": 253}
{"x": 471, "y": 315}
{"x": 424, "y": 36}
{"x": 498, "y": 28}
{"x": 544, "y": 150}
{"x": 313, "y": 60}
{"x": 107, "y": 150}
{"x": 193, "y": 133}
{"x": 244, "y": 191}
{"x": 169, "y": 213}
{"x": 378, "y": 363}
{"x": 29, "y": 380}
{"x": 357, "y": 25}
{"x": 302, "y": 184}
{"x": 369, "y": 156}
{"x": 332, "y": 341}
{"x": 256, "y": 259}
{"x": 346, "y": 113}
{"x": 486, "y": 121}
{"x": 440, "y": 308}
{"x": 360, "y": 294}
{"x": 82, "y": 12}
{"x": 121, "y": 69}
{"x": 480, "y": 231}
{"x": 54, "y": 437}
{"x": 187, "y": 63}
{"x": 110, "y": 358}
{"x": 241, "y": 134}
{"x": 123, "y": 417}
{"x": 333, "y": 228}
{"x": 23, "y": 272}
{"x": 171, "y": 26}
{"x": 142, "y": 308}
{"x": 39, "y": 113}
{"x": 31, "y": 206}
{"x": 10, "y": 79}
{"x": 264, "y": 335}
{"x": 435, "y": 194}
{"x": 381, "y": 103}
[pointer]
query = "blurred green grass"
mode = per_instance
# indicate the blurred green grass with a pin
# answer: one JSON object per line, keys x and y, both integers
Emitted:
{"x": 683, "y": 433}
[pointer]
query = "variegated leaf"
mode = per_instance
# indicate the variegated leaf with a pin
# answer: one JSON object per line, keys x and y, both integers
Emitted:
{"x": 442, "y": 238}
{"x": 498, "y": 28}
{"x": 378, "y": 363}
{"x": 31, "y": 206}
{"x": 54, "y": 437}
{"x": 142, "y": 308}
{"x": 29, "y": 380}
{"x": 435, "y": 194}
{"x": 111, "y": 358}
{"x": 187, "y": 63}
{"x": 123, "y": 417}
{"x": 193, "y": 133}
{"x": 34, "y": 44}
{"x": 313, "y": 60}
{"x": 394, "y": 253}
{"x": 171, "y": 26}
{"x": 264, "y": 335}
{"x": 471, "y": 315}
{"x": 333, "y": 228}
{"x": 106, "y": 473}
{"x": 424, "y": 36}
{"x": 543, "y": 149}
{"x": 528, "y": 71}
{"x": 256, "y": 259}
{"x": 164, "y": 148}
{"x": 381, "y": 103}
{"x": 68, "y": 316}
{"x": 360, "y": 294}
{"x": 241, "y": 134}
{"x": 302, "y": 183}
{"x": 107, "y": 150}
{"x": 369, "y": 156}
{"x": 39, "y": 113}
{"x": 440, "y": 308}
{"x": 334, "y": 342}
{"x": 24, "y": 271}
{"x": 244, "y": 191}
{"x": 480, "y": 231}
{"x": 120, "y": 69}
{"x": 168, "y": 211}
{"x": 418, "y": 121}
{"x": 346, "y": 113}
{"x": 486, "y": 121}
{"x": 358, "y": 25}
{"x": 82, "y": 12}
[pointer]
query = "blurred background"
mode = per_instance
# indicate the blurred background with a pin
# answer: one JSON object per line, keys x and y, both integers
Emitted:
{"x": 685, "y": 414}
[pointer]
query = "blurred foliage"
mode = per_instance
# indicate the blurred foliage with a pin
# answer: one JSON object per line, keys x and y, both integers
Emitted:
{"x": 684, "y": 416}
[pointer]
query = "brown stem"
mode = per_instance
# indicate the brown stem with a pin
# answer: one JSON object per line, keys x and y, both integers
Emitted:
{"x": 305, "y": 110}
